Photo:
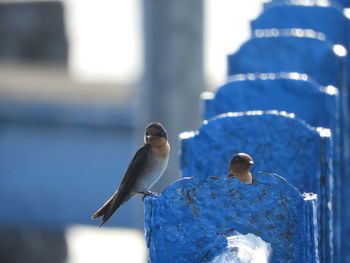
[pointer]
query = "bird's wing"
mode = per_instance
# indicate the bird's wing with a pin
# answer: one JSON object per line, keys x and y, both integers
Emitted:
{"x": 135, "y": 168}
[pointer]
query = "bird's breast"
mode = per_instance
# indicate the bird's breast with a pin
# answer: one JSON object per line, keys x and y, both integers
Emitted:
{"x": 154, "y": 169}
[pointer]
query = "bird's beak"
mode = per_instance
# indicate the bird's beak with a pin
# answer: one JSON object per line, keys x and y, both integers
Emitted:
{"x": 251, "y": 163}
{"x": 151, "y": 137}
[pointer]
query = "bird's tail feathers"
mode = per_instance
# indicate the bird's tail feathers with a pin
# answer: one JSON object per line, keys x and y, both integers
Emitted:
{"x": 108, "y": 208}
{"x": 100, "y": 212}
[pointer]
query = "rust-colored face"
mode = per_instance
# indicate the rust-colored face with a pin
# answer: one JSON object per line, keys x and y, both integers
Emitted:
{"x": 155, "y": 134}
{"x": 240, "y": 164}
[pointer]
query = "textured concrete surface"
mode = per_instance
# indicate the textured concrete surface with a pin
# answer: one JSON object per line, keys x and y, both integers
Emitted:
{"x": 294, "y": 54}
{"x": 304, "y": 52}
{"x": 278, "y": 143}
{"x": 191, "y": 219}
{"x": 290, "y": 92}
{"x": 319, "y": 17}
{"x": 317, "y": 106}
{"x": 323, "y": 3}
{"x": 338, "y": 3}
{"x": 326, "y": 17}
{"x": 273, "y": 139}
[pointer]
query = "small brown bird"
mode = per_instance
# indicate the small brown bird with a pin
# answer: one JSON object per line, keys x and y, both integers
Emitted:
{"x": 145, "y": 169}
{"x": 239, "y": 167}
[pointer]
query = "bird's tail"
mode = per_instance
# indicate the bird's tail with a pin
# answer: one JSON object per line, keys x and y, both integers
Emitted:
{"x": 102, "y": 210}
{"x": 107, "y": 209}
{"x": 113, "y": 203}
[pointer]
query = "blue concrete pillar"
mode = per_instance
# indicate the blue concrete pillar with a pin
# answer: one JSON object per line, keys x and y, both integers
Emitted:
{"x": 279, "y": 143}
{"x": 318, "y": 106}
{"x": 290, "y": 92}
{"x": 192, "y": 219}
{"x": 339, "y": 3}
{"x": 326, "y": 17}
{"x": 302, "y": 51}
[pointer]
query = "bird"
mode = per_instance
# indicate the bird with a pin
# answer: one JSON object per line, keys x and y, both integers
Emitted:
{"x": 239, "y": 167}
{"x": 145, "y": 169}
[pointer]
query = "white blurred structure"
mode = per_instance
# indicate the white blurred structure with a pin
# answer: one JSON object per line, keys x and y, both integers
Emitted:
{"x": 107, "y": 245}
{"x": 106, "y": 37}
{"x": 105, "y": 40}
{"x": 227, "y": 26}
{"x": 245, "y": 249}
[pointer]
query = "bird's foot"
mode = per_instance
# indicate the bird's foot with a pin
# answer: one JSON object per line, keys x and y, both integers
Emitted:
{"x": 147, "y": 193}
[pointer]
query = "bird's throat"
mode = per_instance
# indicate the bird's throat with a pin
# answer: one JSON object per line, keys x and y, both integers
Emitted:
{"x": 246, "y": 178}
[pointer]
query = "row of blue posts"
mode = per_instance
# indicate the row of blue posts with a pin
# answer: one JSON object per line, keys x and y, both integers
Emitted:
{"x": 286, "y": 104}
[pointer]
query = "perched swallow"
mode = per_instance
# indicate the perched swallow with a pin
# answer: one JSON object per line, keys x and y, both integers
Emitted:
{"x": 145, "y": 169}
{"x": 239, "y": 167}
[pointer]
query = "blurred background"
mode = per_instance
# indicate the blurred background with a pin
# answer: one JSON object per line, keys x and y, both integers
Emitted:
{"x": 79, "y": 81}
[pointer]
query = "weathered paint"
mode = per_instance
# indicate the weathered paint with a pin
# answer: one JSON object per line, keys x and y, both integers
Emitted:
{"x": 320, "y": 17}
{"x": 294, "y": 54}
{"x": 190, "y": 220}
{"x": 290, "y": 92}
{"x": 278, "y": 143}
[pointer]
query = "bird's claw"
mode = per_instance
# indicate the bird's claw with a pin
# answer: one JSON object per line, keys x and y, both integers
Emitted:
{"x": 147, "y": 193}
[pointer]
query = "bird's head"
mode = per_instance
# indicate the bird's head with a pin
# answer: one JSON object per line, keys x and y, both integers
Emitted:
{"x": 155, "y": 134}
{"x": 240, "y": 164}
